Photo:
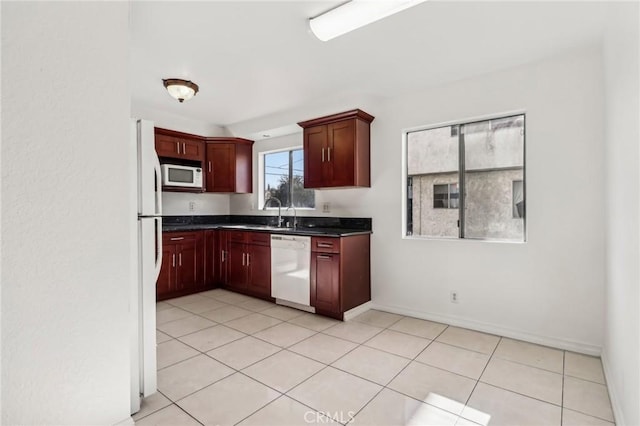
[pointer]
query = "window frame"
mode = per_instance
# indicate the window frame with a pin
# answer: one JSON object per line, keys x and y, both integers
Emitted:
{"x": 461, "y": 188}
{"x": 261, "y": 180}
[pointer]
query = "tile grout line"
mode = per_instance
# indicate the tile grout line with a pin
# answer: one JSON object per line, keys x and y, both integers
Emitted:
{"x": 480, "y": 376}
{"x": 282, "y": 395}
{"x": 336, "y": 360}
{"x": 527, "y": 365}
{"x": 394, "y": 377}
{"x": 154, "y": 411}
{"x": 188, "y": 414}
{"x": 382, "y": 329}
{"x": 586, "y": 380}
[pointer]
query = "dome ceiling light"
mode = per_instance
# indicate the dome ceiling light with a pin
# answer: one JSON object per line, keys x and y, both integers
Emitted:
{"x": 182, "y": 90}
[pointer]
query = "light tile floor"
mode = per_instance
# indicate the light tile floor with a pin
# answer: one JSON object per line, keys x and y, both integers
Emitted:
{"x": 226, "y": 359}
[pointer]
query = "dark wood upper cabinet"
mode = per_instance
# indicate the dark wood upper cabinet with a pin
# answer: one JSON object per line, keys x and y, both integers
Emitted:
{"x": 179, "y": 146}
{"x": 337, "y": 150}
{"x": 228, "y": 166}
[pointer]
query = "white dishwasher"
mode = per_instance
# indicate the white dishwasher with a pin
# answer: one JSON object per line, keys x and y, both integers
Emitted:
{"x": 290, "y": 278}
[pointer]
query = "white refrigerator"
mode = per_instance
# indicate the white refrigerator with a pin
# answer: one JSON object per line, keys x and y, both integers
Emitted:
{"x": 149, "y": 260}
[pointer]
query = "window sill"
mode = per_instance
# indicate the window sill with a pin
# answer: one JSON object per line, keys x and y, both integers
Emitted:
{"x": 471, "y": 240}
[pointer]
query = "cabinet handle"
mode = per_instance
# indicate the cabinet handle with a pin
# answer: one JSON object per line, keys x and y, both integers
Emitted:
{"x": 221, "y": 255}
{"x": 180, "y": 259}
{"x": 243, "y": 257}
{"x": 323, "y": 155}
{"x": 184, "y": 149}
{"x": 248, "y": 259}
{"x": 209, "y": 166}
{"x": 329, "y": 154}
{"x": 324, "y": 257}
{"x": 178, "y": 146}
{"x": 174, "y": 260}
{"x": 177, "y": 238}
{"x": 325, "y": 245}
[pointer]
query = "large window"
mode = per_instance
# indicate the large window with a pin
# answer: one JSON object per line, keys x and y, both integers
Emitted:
{"x": 284, "y": 179}
{"x": 467, "y": 180}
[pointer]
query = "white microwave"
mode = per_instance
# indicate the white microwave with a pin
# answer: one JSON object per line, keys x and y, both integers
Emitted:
{"x": 182, "y": 176}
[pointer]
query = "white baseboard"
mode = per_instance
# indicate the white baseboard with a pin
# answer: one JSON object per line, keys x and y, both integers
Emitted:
{"x": 352, "y": 313}
{"x": 126, "y": 422}
{"x": 499, "y": 330}
{"x": 618, "y": 416}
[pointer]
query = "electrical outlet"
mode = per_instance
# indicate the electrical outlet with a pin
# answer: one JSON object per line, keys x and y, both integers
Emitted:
{"x": 326, "y": 207}
{"x": 192, "y": 206}
{"x": 454, "y": 297}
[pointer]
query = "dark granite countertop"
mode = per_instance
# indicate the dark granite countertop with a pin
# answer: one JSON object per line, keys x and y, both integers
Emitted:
{"x": 308, "y": 226}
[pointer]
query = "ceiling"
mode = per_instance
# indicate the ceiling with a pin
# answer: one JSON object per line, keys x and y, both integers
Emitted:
{"x": 253, "y": 59}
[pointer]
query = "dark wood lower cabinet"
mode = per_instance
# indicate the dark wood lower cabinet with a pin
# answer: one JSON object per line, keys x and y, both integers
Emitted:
{"x": 241, "y": 261}
{"x": 236, "y": 269}
{"x": 259, "y": 270}
{"x": 325, "y": 270}
{"x": 167, "y": 278}
{"x": 200, "y": 260}
{"x": 340, "y": 274}
{"x": 221, "y": 261}
{"x": 249, "y": 263}
{"x": 210, "y": 257}
{"x": 182, "y": 270}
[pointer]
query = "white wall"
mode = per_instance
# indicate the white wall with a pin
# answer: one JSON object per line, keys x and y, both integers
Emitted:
{"x": 65, "y": 215}
{"x": 621, "y": 354}
{"x": 178, "y": 204}
{"x": 166, "y": 120}
{"x": 549, "y": 290}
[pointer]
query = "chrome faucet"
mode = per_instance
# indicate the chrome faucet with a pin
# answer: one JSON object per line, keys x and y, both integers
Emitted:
{"x": 295, "y": 216}
{"x": 279, "y": 209}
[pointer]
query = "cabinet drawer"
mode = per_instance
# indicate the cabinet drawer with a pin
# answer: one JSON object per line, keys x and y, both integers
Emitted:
{"x": 177, "y": 237}
{"x": 325, "y": 245}
{"x": 236, "y": 236}
{"x": 259, "y": 238}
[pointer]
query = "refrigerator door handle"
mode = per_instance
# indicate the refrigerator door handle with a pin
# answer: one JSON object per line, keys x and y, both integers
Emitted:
{"x": 158, "y": 173}
{"x": 158, "y": 265}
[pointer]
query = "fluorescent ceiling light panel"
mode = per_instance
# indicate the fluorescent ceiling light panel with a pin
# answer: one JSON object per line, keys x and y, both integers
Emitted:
{"x": 355, "y": 14}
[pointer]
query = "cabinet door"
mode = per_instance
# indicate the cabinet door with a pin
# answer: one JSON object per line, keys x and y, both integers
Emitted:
{"x": 341, "y": 153}
{"x": 243, "y": 173}
{"x": 236, "y": 266}
{"x": 259, "y": 263}
{"x": 221, "y": 167}
{"x": 315, "y": 156}
{"x": 325, "y": 281}
{"x": 210, "y": 257}
{"x": 166, "y": 146}
{"x": 167, "y": 279}
{"x": 187, "y": 266}
{"x": 221, "y": 258}
{"x": 192, "y": 150}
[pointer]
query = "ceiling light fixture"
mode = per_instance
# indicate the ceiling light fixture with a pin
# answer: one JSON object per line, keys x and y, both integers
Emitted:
{"x": 182, "y": 90}
{"x": 355, "y": 14}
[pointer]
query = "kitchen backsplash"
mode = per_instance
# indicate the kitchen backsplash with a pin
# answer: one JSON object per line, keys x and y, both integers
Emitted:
{"x": 189, "y": 204}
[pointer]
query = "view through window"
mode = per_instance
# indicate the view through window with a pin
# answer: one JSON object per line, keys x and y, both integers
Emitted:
{"x": 467, "y": 180}
{"x": 284, "y": 179}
